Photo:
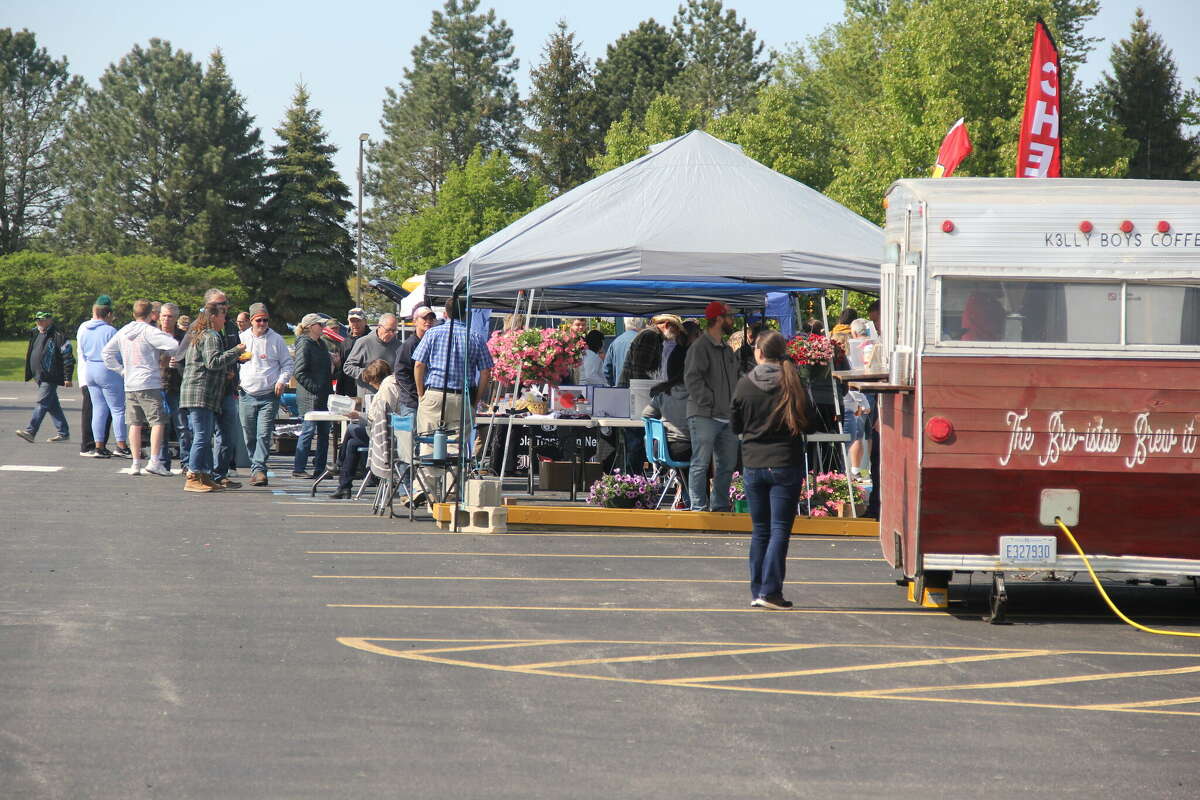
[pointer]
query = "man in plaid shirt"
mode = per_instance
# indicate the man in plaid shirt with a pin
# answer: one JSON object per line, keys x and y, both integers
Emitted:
{"x": 438, "y": 373}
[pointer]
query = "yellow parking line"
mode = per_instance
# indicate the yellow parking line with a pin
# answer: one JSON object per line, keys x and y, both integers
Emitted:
{"x": 584, "y": 580}
{"x": 554, "y": 555}
{"x": 924, "y": 662}
{"x": 670, "y": 656}
{"x": 1178, "y": 701}
{"x": 1099, "y": 676}
{"x": 627, "y": 609}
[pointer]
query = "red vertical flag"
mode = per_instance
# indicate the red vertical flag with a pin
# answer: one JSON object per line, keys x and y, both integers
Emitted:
{"x": 1040, "y": 154}
{"x": 955, "y": 147}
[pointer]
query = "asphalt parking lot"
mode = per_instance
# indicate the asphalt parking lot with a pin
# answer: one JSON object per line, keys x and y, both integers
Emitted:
{"x": 261, "y": 644}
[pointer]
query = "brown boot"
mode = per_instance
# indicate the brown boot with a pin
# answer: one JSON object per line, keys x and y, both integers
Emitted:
{"x": 195, "y": 483}
{"x": 212, "y": 485}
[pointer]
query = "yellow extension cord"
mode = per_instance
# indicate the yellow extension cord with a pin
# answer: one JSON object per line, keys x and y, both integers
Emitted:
{"x": 1104, "y": 594}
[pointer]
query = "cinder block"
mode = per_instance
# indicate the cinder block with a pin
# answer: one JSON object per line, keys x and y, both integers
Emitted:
{"x": 483, "y": 492}
{"x": 478, "y": 519}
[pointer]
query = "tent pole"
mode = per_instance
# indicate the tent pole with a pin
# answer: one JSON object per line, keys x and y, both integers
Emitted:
{"x": 837, "y": 412}
{"x": 492, "y": 402}
{"x": 516, "y": 393}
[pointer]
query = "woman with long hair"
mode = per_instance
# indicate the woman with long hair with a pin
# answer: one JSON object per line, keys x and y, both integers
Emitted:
{"x": 772, "y": 413}
{"x": 202, "y": 389}
{"x": 668, "y": 402}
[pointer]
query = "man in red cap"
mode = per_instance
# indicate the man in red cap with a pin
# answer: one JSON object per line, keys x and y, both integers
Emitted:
{"x": 711, "y": 373}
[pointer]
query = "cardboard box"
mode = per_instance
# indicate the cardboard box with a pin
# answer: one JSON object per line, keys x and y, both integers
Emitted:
{"x": 555, "y": 476}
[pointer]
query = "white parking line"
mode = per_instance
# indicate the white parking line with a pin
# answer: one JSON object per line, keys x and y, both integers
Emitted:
{"x": 26, "y": 468}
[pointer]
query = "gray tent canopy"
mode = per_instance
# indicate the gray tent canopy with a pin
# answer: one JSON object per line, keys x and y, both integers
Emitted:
{"x": 694, "y": 210}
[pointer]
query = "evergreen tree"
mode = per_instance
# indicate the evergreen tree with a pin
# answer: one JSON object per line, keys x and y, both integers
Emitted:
{"x": 627, "y": 140}
{"x": 723, "y": 65}
{"x": 163, "y": 158}
{"x": 638, "y": 67}
{"x": 563, "y": 108}
{"x": 476, "y": 200}
{"x": 1145, "y": 98}
{"x": 37, "y": 94}
{"x": 458, "y": 94}
{"x": 309, "y": 254}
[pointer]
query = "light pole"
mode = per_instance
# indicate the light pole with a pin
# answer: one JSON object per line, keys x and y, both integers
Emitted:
{"x": 362, "y": 140}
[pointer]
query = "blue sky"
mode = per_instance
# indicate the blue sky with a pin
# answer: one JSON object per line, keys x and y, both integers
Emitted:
{"x": 347, "y": 53}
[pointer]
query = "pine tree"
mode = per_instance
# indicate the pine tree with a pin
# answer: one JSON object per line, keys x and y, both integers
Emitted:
{"x": 637, "y": 68}
{"x": 309, "y": 254}
{"x": 37, "y": 94}
{"x": 564, "y": 110}
{"x": 723, "y": 65}
{"x": 1145, "y": 98}
{"x": 162, "y": 158}
{"x": 458, "y": 94}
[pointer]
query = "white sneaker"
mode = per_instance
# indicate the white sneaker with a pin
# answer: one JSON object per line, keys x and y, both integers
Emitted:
{"x": 136, "y": 469}
{"x": 156, "y": 468}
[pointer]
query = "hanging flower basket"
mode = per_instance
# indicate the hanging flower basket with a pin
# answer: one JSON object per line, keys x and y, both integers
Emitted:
{"x": 538, "y": 355}
{"x": 624, "y": 490}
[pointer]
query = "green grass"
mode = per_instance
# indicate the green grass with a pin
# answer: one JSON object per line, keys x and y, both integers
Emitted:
{"x": 12, "y": 359}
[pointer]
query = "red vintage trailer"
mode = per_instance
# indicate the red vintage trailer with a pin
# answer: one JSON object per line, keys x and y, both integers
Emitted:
{"x": 1044, "y": 339}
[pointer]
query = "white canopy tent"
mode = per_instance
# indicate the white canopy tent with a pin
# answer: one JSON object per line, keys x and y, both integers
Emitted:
{"x": 695, "y": 209}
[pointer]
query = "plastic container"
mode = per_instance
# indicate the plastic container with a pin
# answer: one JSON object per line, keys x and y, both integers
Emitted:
{"x": 340, "y": 404}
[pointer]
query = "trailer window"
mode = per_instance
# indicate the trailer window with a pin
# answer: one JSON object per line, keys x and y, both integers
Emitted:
{"x": 1162, "y": 315}
{"x": 1030, "y": 311}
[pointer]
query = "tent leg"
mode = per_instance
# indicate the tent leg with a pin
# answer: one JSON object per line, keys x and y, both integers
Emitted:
{"x": 516, "y": 393}
{"x": 837, "y": 411}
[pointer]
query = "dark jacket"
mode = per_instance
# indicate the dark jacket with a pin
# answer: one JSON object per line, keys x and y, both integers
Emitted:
{"x": 403, "y": 370}
{"x": 58, "y": 358}
{"x": 711, "y": 373}
{"x": 763, "y": 444}
{"x": 346, "y": 385}
{"x": 313, "y": 372}
{"x": 172, "y": 377}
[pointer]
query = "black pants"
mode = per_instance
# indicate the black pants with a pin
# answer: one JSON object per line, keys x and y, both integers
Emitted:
{"x": 349, "y": 458}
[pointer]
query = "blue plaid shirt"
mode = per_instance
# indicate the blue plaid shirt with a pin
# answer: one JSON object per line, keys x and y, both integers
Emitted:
{"x": 432, "y": 353}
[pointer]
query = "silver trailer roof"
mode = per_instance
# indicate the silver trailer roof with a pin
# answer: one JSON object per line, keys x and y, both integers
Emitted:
{"x": 1035, "y": 228}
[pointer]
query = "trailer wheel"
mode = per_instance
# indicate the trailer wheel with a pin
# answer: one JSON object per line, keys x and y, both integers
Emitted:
{"x": 997, "y": 601}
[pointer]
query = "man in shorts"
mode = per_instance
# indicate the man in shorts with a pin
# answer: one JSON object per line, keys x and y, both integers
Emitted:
{"x": 134, "y": 353}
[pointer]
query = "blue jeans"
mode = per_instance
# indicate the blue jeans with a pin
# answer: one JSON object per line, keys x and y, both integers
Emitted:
{"x": 228, "y": 432}
{"x": 183, "y": 433}
{"x": 108, "y": 401}
{"x": 772, "y": 495}
{"x": 258, "y": 421}
{"x": 711, "y": 438}
{"x": 321, "y": 430}
{"x": 47, "y": 403}
{"x": 202, "y": 421}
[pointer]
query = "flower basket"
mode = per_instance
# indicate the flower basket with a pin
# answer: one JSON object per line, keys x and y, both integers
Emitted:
{"x": 623, "y": 490}
{"x": 537, "y": 355}
{"x": 826, "y": 494}
{"x": 812, "y": 354}
{"x": 737, "y": 491}
{"x": 741, "y": 506}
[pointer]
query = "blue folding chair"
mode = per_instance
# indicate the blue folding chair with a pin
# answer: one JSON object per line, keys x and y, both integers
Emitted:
{"x": 659, "y": 456}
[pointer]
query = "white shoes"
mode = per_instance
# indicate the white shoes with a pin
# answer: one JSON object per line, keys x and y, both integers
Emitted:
{"x": 157, "y": 468}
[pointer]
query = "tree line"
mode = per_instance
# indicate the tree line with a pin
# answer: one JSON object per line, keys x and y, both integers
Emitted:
{"x": 161, "y": 158}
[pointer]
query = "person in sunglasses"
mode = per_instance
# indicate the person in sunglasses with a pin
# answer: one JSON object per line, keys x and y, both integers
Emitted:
{"x": 265, "y": 371}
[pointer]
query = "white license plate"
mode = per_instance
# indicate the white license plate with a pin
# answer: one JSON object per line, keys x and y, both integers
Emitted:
{"x": 1028, "y": 550}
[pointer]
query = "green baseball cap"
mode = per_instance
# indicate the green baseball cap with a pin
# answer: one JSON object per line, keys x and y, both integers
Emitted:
{"x": 43, "y": 315}
{"x": 103, "y": 300}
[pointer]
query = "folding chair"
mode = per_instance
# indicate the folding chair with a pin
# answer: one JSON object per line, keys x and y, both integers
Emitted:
{"x": 660, "y": 457}
{"x": 448, "y": 465}
{"x": 400, "y": 449}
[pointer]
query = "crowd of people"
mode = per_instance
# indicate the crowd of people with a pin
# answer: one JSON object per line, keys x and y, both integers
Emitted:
{"x": 216, "y": 384}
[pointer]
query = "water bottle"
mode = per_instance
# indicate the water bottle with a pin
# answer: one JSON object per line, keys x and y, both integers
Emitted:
{"x": 439, "y": 445}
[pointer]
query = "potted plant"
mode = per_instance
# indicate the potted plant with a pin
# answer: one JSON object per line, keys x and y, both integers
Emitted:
{"x": 812, "y": 353}
{"x": 737, "y": 493}
{"x": 537, "y": 355}
{"x": 623, "y": 490}
{"x": 828, "y": 494}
